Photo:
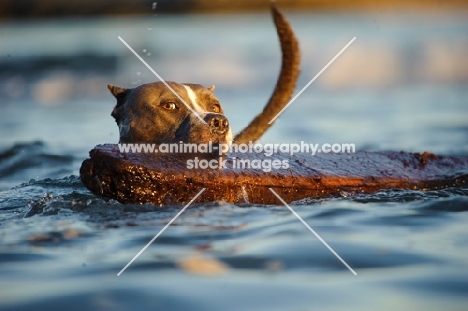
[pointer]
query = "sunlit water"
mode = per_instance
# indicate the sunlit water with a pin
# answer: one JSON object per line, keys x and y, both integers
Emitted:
{"x": 402, "y": 85}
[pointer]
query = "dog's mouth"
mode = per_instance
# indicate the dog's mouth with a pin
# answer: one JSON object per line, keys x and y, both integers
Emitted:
{"x": 224, "y": 137}
{"x": 217, "y": 131}
{"x": 217, "y": 140}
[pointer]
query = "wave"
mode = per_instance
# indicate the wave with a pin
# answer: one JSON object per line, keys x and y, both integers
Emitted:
{"x": 27, "y": 160}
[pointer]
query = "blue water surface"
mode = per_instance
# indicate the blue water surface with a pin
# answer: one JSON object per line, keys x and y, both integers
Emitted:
{"x": 402, "y": 85}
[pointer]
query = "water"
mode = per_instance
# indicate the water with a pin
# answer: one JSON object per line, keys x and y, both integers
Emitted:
{"x": 402, "y": 85}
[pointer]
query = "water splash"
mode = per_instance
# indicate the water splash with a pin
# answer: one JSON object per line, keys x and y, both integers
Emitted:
{"x": 245, "y": 195}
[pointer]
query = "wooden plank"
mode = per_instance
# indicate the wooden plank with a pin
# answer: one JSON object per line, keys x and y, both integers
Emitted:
{"x": 163, "y": 179}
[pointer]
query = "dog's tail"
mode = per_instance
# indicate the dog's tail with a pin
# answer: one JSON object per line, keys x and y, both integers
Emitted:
{"x": 284, "y": 86}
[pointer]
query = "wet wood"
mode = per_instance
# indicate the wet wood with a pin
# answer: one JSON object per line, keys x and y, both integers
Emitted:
{"x": 163, "y": 179}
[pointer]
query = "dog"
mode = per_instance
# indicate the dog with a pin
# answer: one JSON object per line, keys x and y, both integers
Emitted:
{"x": 152, "y": 113}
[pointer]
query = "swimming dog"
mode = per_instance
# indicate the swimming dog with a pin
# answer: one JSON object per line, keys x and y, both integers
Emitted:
{"x": 152, "y": 113}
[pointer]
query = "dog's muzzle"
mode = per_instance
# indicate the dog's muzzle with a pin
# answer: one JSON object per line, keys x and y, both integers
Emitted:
{"x": 217, "y": 123}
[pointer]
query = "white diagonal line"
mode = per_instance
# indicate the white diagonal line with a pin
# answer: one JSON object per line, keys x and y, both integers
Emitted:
{"x": 161, "y": 79}
{"x": 308, "y": 84}
{"x": 313, "y": 231}
{"x": 160, "y": 232}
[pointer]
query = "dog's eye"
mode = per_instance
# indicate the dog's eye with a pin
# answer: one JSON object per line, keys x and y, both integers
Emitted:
{"x": 169, "y": 106}
{"x": 216, "y": 108}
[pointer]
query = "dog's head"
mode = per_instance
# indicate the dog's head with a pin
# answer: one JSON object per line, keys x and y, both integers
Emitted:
{"x": 152, "y": 113}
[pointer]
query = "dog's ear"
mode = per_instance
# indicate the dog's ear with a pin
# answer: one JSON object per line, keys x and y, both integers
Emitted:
{"x": 118, "y": 92}
{"x": 211, "y": 88}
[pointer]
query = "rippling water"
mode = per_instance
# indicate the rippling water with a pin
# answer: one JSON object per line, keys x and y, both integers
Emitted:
{"x": 61, "y": 246}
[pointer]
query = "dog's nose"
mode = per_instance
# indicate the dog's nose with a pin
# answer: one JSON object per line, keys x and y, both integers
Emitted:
{"x": 218, "y": 123}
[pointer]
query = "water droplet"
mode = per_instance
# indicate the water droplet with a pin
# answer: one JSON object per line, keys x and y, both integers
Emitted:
{"x": 138, "y": 73}
{"x": 148, "y": 54}
{"x": 144, "y": 50}
{"x": 149, "y": 28}
{"x": 155, "y": 4}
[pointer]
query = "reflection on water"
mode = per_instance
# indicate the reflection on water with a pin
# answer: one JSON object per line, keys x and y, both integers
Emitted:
{"x": 400, "y": 86}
